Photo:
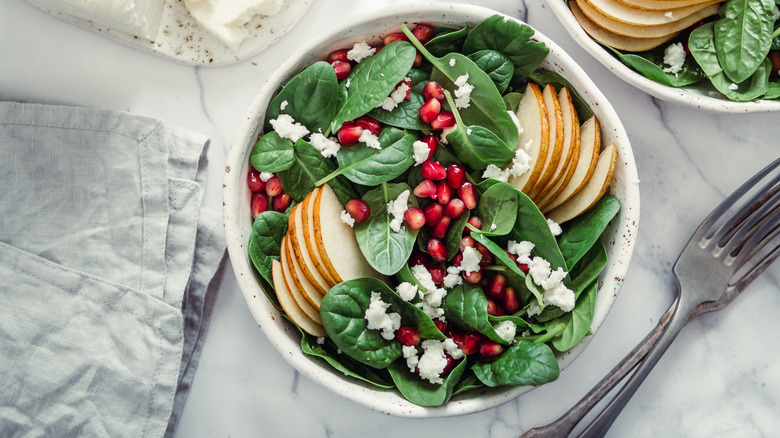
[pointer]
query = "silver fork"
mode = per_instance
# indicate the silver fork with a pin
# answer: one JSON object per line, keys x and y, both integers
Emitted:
{"x": 733, "y": 245}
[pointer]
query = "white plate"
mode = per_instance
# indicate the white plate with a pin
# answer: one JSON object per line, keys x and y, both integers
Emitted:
{"x": 687, "y": 96}
{"x": 183, "y": 40}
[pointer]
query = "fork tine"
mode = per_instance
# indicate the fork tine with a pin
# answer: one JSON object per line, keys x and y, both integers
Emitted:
{"x": 752, "y": 230}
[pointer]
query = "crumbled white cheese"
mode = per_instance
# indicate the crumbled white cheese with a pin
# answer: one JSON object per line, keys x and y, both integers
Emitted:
{"x": 283, "y": 105}
{"x": 522, "y": 250}
{"x": 452, "y": 62}
{"x": 514, "y": 118}
{"x": 370, "y": 139}
{"x": 554, "y": 279}
{"x": 396, "y": 96}
{"x": 669, "y": 14}
{"x": 521, "y": 163}
{"x": 733, "y": 86}
{"x": 407, "y": 291}
{"x": 471, "y": 259}
{"x": 435, "y": 297}
{"x": 227, "y": 20}
{"x": 506, "y": 330}
{"x": 453, "y": 277}
{"x": 533, "y": 309}
{"x": 555, "y": 229}
{"x": 432, "y": 295}
{"x": 421, "y": 152}
{"x": 360, "y": 51}
{"x": 347, "y": 83}
{"x": 539, "y": 269}
{"x": 452, "y": 348}
{"x": 494, "y": 172}
{"x": 347, "y": 218}
{"x": 328, "y": 147}
{"x": 396, "y": 209}
{"x": 321, "y": 340}
{"x": 493, "y": 226}
{"x": 410, "y": 354}
{"x": 433, "y": 361}
{"x": 430, "y": 311}
{"x": 265, "y": 176}
{"x": 555, "y": 292}
{"x": 378, "y": 319}
{"x": 560, "y": 296}
{"x": 422, "y": 275}
{"x": 445, "y": 132}
{"x": 674, "y": 57}
{"x": 468, "y": 131}
{"x": 287, "y": 127}
{"x": 463, "y": 92}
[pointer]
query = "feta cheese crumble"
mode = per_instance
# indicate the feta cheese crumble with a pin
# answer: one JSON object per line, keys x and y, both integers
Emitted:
{"x": 421, "y": 152}
{"x": 347, "y": 218}
{"x": 674, "y": 57}
{"x": 432, "y": 295}
{"x": 396, "y": 209}
{"x": 396, "y": 96}
{"x": 733, "y": 86}
{"x": 522, "y": 250}
{"x": 471, "y": 259}
{"x": 378, "y": 319}
{"x": 328, "y": 147}
{"x": 265, "y": 176}
{"x": 521, "y": 163}
{"x": 555, "y": 229}
{"x": 432, "y": 362}
{"x": 463, "y": 92}
{"x": 506, "y": 330}
{"x": 370, "y": 140}
{"x": 407, "y": 291}
{"x": 452, "y": 62}
{"x": 283, "y": 105}
{"x": 453, "y": 277}
{"x": 360, "y": 51}
{"x": 669, "y": 14}
{"x": 287, "y": 127}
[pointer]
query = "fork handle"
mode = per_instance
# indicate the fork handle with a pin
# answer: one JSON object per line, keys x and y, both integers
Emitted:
{"x": 603, "y": 421}
{"x": 566, "y": 423}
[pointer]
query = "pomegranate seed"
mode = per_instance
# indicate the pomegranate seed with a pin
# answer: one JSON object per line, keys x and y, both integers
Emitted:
{"x": 441, "y": 325}
{"x": 433, "y": 212}
{"x": 433, "y": 142}
{"x": 774, "y": 56}
{"x": 417, "y": 60}
{"x": 369, "y": 123}
{"x": 443, "y": 193}
{"x": 473, "y": 277}
{"x": 441, "y": 227}
{"x": 349, "y": 134}
{"x": 273, "y": 186}
{"x": 430, "y": 111}
{"x": 395, "y": 36}
{"x": 358, "y": 209}
{"x": 470, "y": 343}
{"x": 484, "y": 282}
{"x": 455, "y": 208}
{"x": 511, "y": 256}
{"x": 456, "y": 261}
{"x": 445, "y": 119}
{"x": 487, "y": 256}
{"x": 437, "y": 250}
{"x": 496, "y": 287}
{"x": 467, "y": 193}
{"x": 341, "y": 68}
{"x": 254, "y": 181}
{"x": 433, "y": 170}
{"x": 437, "y": 274}
{"x": 281, "y": 202}
{"x": 408, "y": 82}
{"x": 420, "y": 258}
{"x": 424, "y": 32}
{"x": 491, "y": 307}
{"x": 426, "y": 189}
{"x": 258, "y": 204}
{"x": 523, "y": 267}
{"x": 511, "y": 302}
{"x": 451, "y": 362}
{"x": 456, "y": 175}
{"x": 490, "y": 349}
{"x": 475, "y": 221}
{"x": 408, "y": 336}
{"x": 339, "y": 55}
{"x": 466, "y": 242}
{"x": 432, "y": 90}
{"x": 415, "y": 217}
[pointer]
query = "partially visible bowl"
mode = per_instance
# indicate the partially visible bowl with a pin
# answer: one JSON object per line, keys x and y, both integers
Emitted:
{"x": 688, "y": 96}
{"x": 619, "y": 237}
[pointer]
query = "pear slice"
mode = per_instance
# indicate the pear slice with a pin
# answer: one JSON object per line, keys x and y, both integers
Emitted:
{"x": 555, "y": 146}
{"x": 300, "y": 282}
{"x": 661, "y": 5}
{"x": 620, "y": 42}
{"x": 336, "y": 240}
{"x": 590, "y": 145}
{"x": 593, "y": 190}
{"x": 640, "y": 17}
{"x": 632, "y": 30}
{"x": 288, "y": 304}
{"x": 296, "y": 293}
{"x": 300, "y": 252}
{"x": 570, "y": 154}
{"x": 307, "y": 216}
{"x": 534, "y": 138}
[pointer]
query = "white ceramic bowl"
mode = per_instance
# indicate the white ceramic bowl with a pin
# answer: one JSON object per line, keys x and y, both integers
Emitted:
{"x": 687, "y": 96}
{"x": 619, "y": 238}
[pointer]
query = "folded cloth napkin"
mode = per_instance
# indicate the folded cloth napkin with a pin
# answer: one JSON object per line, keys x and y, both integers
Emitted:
{"x": 109, "y": 266}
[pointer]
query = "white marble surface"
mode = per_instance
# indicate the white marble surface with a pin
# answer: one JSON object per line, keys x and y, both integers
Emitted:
{"x": 721, "y": 377}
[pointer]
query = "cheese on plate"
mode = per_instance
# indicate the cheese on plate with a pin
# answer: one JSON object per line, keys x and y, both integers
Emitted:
{"x": 227, "y": 19}
{"x": 133, "y": 17}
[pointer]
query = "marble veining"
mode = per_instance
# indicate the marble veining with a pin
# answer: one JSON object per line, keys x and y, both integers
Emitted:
{"x": 721, "y": 377}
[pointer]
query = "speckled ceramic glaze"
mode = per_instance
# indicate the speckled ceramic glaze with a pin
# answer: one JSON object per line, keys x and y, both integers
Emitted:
{"x": 687, "y": 96}
{"x": 181, "y": 38}
{"x": 619, "y": 238}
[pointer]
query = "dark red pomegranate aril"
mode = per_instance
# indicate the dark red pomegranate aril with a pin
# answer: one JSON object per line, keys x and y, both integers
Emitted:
{"x": 369, "y": 123}
{"x": 470, "y": 343}
{"x": 490, "y": 349}
{"x": 254, "y": 181}
{"x": 358, "y": 209}
{"x": 523, "y": 267}
{"x": 281, "y": 202}
{"x": 511, "y": 302}
{"x": 432, "y": 170}
{"x": 443, "y": 193}
{"x": 258, "y": 204}
{"x": 273, "y": 186}
{"x": 342, "y": 69}
{"x": 432, "y": 90}
{"x": 457, "y": 259}
{"x": 455, "y": 208}
{"x": 437, "y": 250}
{"x": 395, "y": 36}
{"x": 473, "y": 277}
{"x": 451, "y": 362}
{"x": 430, "y": 110}
{"x": 496, "y": 288}
{"x": 491, "y": 307}
{"x": 408, "y": 336}
{"x": 420, "y": 258}
{"x": 456, "y": 175}
{"x": 349, "y": 134}
{"x": 415, "y": 217}
{"x": 338, "y": 55}
{"x": 487, "y": 256}
{"x": 433, "y": 212}
{"x": 441, "y": 325}
{"x": 445, "y": 119}
{"x": 418, "y": 58}
{"x": 424, "y": 32}
{"x": 437, "y": 274}
{"x": 467, "y": 193}
{"x": 467, "y": 242}
{"x": 426, "y": 189}
{"x": 433, "y": 142}
{"x": 440, "y": 229}
{"x": 475, "y": 221}
{"x": 510, "y": 255}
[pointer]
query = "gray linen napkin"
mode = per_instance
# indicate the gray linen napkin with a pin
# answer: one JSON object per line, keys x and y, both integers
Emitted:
{"x": 108, "y": 267}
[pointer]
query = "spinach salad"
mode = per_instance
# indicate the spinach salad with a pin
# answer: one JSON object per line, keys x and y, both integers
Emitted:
{"x": 488, "y": 292}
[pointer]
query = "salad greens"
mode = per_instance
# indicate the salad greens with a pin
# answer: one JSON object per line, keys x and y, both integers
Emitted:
{"x": 499, "y": 57}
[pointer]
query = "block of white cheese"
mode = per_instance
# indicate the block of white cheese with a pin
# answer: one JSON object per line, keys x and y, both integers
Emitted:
{"x": 227, "y": 19}
{"x": 134, "y": 17}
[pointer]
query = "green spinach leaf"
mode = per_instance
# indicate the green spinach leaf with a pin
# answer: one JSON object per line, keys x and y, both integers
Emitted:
{"x": 447, "y": 41}
{"x": 581, "y": 233}
{"x": 421, "y": 392}
{"x": 309, "y": 166}
{"x": 532, "y": 226}
{"x": 466, "y": 306}
{"x": 577, "y": 321}
{"x": 646, "y": 64}
{"x": 743, "y": 36}
{"x": 498, "y": 206}
{"x": 497, "y": 65}
{"x": 265, "y": 241}
{"x": 524, "y": 363}
{"x": 343, "y": 363}
{"x": 405, "y": 116}
{"x": 272, "y": 153}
